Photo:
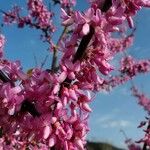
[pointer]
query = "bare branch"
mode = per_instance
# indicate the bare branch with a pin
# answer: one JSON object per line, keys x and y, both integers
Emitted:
{"x": 54, "y": 59}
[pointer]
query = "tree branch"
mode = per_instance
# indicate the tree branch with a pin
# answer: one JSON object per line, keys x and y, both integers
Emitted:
{"x": 54, "y": 60}
{"x": 83, "y": 45}
{"x": 29, "y": 107}
{"x": 86, "y": 39}
{"x": 145, "y": 144}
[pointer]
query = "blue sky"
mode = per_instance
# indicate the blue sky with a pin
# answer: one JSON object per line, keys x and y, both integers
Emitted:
{"x": 111, "y": 111}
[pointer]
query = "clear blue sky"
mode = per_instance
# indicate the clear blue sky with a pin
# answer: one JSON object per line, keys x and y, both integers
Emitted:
{"x": 111, "y": 111}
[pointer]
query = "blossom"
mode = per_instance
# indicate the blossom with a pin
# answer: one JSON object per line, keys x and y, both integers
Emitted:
{"x": 2, "y": 42}
{"x": 45, "y": 109}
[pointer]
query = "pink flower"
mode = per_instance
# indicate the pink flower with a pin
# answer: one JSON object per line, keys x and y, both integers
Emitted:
{"x": 2, "y": 42}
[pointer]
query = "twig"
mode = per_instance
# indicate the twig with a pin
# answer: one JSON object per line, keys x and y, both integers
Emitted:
{"x": 44, "y": 61}
{"x": 145, "y": 143}
{"x": 55, "y": 52}
{"x": 124, "y": 134}
{"x": 35, "y": 60}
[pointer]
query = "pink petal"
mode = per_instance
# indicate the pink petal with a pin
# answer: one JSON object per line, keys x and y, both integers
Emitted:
{"x": 62, "y": 76}
{"x": 77, "y": 66}
{"x": 59, "y": 105}
{"x": 79, "y": 18}
{"x": 11, "y": 111}
{"x": 47, "y": 132}
{"x": 64, "y": 100}
{"x": 89, "y": 14}
{"x": 66, "y": 91}
{"x": 72, "y": 94}
{"x": 67, "y": 22}
{"x": 116, "y": 20}
{"x": 72, "y": 119}
{"x": 66, "y": 146}
{"x": 86, "y": 107}
{"x": 16, "y": 89}
{"x": 130, "y": 22}
{"x": 79, "y": 144}
{"x": 85, "y": 29}
{"x": 22, "y": 75}
{"x": 88, "y": 95}
{"x": 63, "y": 14}
{"x": 69, "y": 64}
{"x": 54, "y": 119}
{"x": 52, "y": 141}
{"x": 56, "y": 88}
{"x": 71, "y": 75}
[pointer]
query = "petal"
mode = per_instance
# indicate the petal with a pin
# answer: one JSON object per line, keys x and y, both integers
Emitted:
{"x": 79, "y": 18}
{"x": 71, "y": 76}
{"x": 67, "y": 22}
{"x": 130, "y": 22}
{"x": 47, "y": 132}
{"x": 63, "y": 14}
{"x": 77, "y": 66}
{"x": 22, "y": 75}
{"x": 69, "y": 64}
{"x": 89, "y": 14}
{"x": 85, "y": 29}
{"x": 52, "y": 141}
{"x": 72, "y": 94}
{"x": 56, "y": 88}
{"x": 116, "y": 20}
{"x": 86, "y": 107}
{"x": 59, "y": 105}
{"x": 11, "y": 111}
{"x": 79, "y": 144}
{"x": 16, "y": 90}
{"x": 62, "y": 76}
{"x": 54, "y": 119}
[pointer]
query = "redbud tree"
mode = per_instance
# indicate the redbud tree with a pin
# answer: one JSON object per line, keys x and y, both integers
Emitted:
{"x": 49, "y": 108}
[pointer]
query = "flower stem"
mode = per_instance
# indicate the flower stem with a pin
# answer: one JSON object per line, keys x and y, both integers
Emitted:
{"x": 55, "y": 52}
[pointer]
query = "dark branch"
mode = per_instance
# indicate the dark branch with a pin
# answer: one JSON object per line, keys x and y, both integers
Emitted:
{"x": 107, "y": 4}
{"x": 86, "y": 39}
{"x": 56, "y": 2}
{"x": 145, "y": 144}
{"x": 83, "y": 45}
{"x": 5, "y": 79}
{"x": 29, "y": 107}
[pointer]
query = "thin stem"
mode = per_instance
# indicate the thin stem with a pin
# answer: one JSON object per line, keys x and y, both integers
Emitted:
{"x": 44, "y": 61}
{"x": 55, "y": 52}
{"x": 3, "y": 12}
{"x": 124, "y": 134}
{"x": 145, "y": 143}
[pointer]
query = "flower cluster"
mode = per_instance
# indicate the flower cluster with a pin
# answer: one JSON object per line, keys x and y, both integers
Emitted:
{"x": 2, "y": 42}
{"x": 37, "y": 111}
{"x": 40, "y": 13}
{"x": 131, "y": 67}
{"x": 131, "y": 145}
{"x": 67, "y": 3}
{"x": 142, "y": 99}
{"x": 44, "y": 109}
{"x": 38, "y": 17}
